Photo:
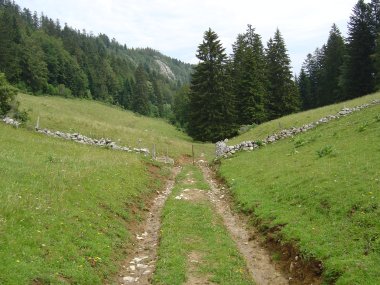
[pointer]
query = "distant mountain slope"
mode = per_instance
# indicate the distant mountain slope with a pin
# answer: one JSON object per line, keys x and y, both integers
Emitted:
{"x": 38, "y": 55}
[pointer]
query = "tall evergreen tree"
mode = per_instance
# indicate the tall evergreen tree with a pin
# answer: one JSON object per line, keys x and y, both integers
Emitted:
{"x": 211, "y": 107}
{"x": 140, "y": 103}
{"x": 305, "y": 90}
{"x": 333, "y": 59}
{"x": 249, "y": 78}
{"x": 358, "y": 71}
{"x": 283, "y": 96}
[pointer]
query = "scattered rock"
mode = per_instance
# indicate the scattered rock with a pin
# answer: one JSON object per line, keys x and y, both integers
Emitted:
{"x": 129, "y": 279}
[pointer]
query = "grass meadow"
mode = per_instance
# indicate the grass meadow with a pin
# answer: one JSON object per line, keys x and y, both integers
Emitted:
{"x": 65, "y": 208}
{"x": 321, "y": 189}
{"x": 96, "y": 120}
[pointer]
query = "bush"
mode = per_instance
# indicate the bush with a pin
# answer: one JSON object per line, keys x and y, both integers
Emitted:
{"x": 7, "y": 96}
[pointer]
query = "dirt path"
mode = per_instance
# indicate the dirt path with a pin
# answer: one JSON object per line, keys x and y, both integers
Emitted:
{"x": 139, "y": 268}
{"x": 257, "y": 258}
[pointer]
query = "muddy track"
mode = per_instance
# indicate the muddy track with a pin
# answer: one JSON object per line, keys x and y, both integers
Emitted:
{"x": 257, "y": 258}
{"x": 139, "y": 268}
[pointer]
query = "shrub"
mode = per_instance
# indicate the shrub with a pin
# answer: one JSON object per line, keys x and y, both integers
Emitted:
{"x": 7, "y": 96}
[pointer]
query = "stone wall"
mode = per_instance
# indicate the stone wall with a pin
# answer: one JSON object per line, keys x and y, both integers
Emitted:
{"x": 76, "y": 137}
{"x": 223, "y": 150}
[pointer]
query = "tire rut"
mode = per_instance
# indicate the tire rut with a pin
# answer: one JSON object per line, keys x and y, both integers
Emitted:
{"x": 139, "y": 268}
{"x": 257, "y": 258}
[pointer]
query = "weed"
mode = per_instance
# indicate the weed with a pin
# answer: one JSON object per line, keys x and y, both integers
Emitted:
{"x": 325, "y": 151}
{"x": 298, "y": 142}
{"x": 363, "y": 127}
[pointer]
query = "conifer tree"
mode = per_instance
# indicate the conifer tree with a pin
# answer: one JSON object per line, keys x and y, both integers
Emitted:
{"x": 333, "y": 58}
{"x": 211, "y": 107}
{"x": 140, "y": 103}
{"x": 283, "y": 96}
{"x": 249, "y": 77}
{"x": 358, "y": 70}
{"x": 305, "y": 90}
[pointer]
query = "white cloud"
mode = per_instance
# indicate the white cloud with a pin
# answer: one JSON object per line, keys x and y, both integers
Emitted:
{"x": 176, "y": 27}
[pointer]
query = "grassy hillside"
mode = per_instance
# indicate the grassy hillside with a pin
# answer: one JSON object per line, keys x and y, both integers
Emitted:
{"x": 65, "y": 208}
{"x": 98, "y": 120}
{"x": 299, "y": 119}
{"x": 321, "y": 189}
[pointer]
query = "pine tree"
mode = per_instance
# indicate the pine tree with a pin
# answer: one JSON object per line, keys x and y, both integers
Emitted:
{"x": 305, "y": 90}
{"x": 358, "y": 70}
{"x": 211, "y": 108}
{"x": 333, "y": 58}
{"x": 140, "y": 102}
{"x": 249, "y": 77}
{"x": 283, "y": 96}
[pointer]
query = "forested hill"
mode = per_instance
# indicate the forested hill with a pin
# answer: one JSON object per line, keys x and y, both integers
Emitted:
{"x": 39, "y": 55}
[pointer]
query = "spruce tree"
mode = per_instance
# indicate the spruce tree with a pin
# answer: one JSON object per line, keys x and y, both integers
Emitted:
{"x": 305, "y": 90}
{"x": 358, "y": 70}
{"x": 333, "y": 59}
{"x": 249, "y": 78}
{"x": 211, "y": 107}
{"x": 283, "y": 96}
{"x": 140, "y": 102}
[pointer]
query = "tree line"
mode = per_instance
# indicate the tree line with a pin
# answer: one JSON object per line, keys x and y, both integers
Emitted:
{"x": 251, "y": 86}
{"x": 255, "y": 84}
{"x": 38, "y": 55}
{"x": 344, "y": 69}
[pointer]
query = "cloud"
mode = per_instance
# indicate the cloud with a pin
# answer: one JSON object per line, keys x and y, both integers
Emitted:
{"x": 176, "y": 27}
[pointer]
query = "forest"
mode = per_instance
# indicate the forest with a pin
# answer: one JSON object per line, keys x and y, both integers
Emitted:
{"x": 40, "y": 56}
{"x": 217, "y": 98}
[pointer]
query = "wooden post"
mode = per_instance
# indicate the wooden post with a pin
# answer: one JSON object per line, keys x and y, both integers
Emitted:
{"x": 38, "y": 123}
{"x": 192, "y": 151}
{"x": 167, "y": 155}
{"x": 154, "y": 152}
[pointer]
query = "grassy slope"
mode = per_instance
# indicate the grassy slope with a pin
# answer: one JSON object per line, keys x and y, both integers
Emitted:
{"x": 97, "y": 120}
{"x": 330, "y": 205}
{"x": 265, "y": 129}
{"x": 193, "y": 227}
{"x": 66, "y": 206}
{"x": 64, "y": 209}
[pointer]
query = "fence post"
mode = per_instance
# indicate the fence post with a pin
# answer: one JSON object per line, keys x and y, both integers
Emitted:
{"x": 167, "y": 155}
{"x": 154, "y": 152}
{"x": 38, "y": 123}
{"x": 192, "y": 151}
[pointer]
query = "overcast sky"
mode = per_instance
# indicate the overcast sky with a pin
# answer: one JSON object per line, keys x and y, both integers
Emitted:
{"x": 176, "y": 28}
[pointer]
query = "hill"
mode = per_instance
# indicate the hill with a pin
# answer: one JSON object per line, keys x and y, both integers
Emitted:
{"x": 97, "y": 120}
{"x": 317, "y": 192}
{"x": 40, "y": 56}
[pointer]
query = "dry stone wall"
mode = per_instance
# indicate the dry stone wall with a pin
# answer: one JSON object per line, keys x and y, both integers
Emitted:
{"x": 223, "y": 150}
{"x": 82, "y": 139}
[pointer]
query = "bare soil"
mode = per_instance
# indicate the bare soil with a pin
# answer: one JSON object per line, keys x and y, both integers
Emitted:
{"x": 258, "y": 260}
{"x": 140, "y": 265}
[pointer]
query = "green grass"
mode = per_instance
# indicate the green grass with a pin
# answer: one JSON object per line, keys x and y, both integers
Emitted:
{"x": 296, "y": 120}
{"x": 193, "y": 227}
{"x": 321, "y": 188}
{"x": 95, "y": 119}
{"x": 65, "y": 208}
